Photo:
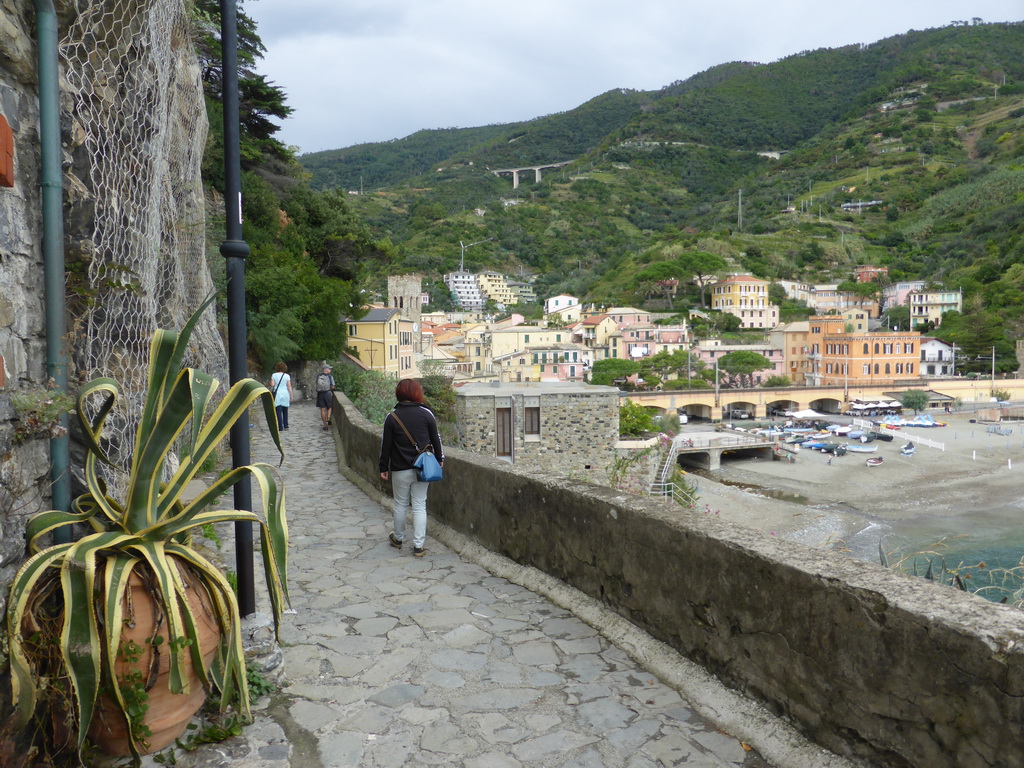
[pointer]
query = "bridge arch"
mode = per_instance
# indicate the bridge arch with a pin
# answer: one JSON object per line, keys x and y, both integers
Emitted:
{"x": 733, "y": 408}
{"x": 827, "y": 405}
{"x": 778, "y": 407}
{"x": 696, "y": 411}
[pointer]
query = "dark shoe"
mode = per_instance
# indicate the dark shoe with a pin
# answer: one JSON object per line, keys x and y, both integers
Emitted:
{"x": 328, "y": 422}
{"x": 419, "y": 551}
{"x": 394, "y": 542}
{"x": 325, "y": 427}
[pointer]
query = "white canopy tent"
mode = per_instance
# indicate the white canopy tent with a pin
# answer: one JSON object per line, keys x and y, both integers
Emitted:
{"x": 807, "y": 414}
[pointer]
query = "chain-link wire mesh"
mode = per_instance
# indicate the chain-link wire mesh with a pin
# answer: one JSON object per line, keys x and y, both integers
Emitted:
{"x": 136, "y": 205}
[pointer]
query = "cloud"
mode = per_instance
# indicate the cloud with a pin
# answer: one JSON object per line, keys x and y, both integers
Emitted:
{"x": 363, "y": 71}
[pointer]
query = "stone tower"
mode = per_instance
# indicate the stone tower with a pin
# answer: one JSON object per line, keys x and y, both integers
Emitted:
{"x": 405, "y": 294}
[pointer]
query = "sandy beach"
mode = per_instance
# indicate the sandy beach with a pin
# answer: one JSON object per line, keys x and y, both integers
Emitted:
{"x": 833, "y": 503}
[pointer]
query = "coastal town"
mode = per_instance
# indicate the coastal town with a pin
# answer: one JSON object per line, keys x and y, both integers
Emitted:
{"x": 843, "y": 342}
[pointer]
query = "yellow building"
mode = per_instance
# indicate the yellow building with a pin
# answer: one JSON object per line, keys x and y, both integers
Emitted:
{"x": 593, "y": 331}
{"x": 746, "y": 297}
{"x": 930, "y": 306}
{"x": 494, "y": 286}
{"x": 792, "y": 339}
{"x": 520, "y": 337}
{"x": 383, "y": 339}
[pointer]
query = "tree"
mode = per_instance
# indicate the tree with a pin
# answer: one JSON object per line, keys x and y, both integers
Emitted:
{"x": 915, "y": 398}
{"x": 664, "y": 364}
{"x": 741, "y": 365}
{"x": 663, "y": 277}
{"x": 897, "y": 318}
{"x": 607, "y": 371}
{"x": 777, "y": 381}
{"x": 702, "y": 267}
{"x": 634, "y": 420}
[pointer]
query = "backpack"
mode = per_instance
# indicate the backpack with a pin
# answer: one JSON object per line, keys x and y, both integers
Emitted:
{"x": 324, "y": 382}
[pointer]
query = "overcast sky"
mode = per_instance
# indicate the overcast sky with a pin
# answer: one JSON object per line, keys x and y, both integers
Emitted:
{"x": 359, "y": 71}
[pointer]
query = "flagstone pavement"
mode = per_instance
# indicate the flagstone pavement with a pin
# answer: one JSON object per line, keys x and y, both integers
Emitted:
{"x": 391, "y": 660}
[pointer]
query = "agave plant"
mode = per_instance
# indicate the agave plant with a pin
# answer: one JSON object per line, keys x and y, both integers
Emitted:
{"x": 146, "y": 531}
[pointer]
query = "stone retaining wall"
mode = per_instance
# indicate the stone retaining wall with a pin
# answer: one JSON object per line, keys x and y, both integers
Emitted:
{"x": 869, "y": 663}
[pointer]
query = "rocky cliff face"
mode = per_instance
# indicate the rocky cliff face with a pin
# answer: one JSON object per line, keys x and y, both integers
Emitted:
{"x": 133, "y": 134}
{"x": 24, "y": 463}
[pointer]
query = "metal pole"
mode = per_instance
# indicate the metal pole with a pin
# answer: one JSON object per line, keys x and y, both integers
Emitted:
{"x": 53, "y": 249}
{"x": 234, "y": 249}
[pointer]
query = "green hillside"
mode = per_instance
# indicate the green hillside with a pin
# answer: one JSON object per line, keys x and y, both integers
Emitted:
{"x": 929, "y": 124}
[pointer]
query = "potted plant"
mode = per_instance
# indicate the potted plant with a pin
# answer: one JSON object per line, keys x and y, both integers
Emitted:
{"x": 77, "y": 612}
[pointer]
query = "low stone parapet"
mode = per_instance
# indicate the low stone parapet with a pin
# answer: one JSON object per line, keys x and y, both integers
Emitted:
{"x": 869, "y": 663}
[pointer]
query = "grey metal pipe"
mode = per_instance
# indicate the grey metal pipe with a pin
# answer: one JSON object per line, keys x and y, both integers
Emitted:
{"x": 53, "y": 245}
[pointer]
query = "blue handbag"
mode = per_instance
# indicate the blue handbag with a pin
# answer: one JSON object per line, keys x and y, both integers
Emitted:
{"x": 428, "y": 470}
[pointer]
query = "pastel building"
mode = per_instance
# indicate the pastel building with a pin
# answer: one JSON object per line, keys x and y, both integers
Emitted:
{"x": 896, "y": 294}
{"x": 843, "y": 352}
{"x": 938, "y": 358}
{"x": 866, "y": 273}
{"x": 745, "y": 297}
{"x": 930, "y": 306}
{"x": 637, "y": 343}
{"x": 555, "y": 303}
{"x": 556, "y": 362}
{"x": 793, "y": 340}
{"x": 625, "y": 317}
{"x": 709, "y": 351}
{"x": 495, "y": 288}
{"x": 824, "y": 298}
{"x": 383, "y": 340}
{"x": 465, "y": 290}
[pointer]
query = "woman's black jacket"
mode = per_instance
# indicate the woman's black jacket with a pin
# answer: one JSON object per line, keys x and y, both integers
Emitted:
{"x": 396, "y": 452}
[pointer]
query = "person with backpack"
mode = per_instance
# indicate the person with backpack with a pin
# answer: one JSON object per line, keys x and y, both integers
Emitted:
{"x": 325, "y": 395}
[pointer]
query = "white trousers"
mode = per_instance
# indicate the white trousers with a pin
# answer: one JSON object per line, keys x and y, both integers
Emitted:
{"x": 410, "y": 491}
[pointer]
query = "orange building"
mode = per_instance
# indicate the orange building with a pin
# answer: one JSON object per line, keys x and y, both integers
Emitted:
{"x": 843, "y": 352}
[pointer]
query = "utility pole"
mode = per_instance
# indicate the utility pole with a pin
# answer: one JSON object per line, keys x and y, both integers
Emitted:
{"x": 462, "y": 263}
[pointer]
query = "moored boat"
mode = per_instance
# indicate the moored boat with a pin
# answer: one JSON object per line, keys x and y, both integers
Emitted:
{"x": 874, "y": 461}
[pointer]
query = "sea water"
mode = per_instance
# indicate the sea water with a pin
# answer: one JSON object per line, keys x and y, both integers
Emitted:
{"x": 984, "y": 547}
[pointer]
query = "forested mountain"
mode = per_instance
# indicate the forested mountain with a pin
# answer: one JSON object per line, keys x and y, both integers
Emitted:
{"x": 929, "y": 124}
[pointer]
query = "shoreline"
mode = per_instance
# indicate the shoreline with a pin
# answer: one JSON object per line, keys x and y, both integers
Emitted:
{"x": 977, "y": 471}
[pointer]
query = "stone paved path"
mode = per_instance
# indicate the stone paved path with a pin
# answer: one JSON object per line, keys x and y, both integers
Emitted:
{"x": 392, "y": 660}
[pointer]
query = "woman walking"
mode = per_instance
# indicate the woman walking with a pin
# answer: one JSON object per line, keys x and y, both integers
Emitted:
{"x": 281, "y": 386}
{"x": 398, "y": 452}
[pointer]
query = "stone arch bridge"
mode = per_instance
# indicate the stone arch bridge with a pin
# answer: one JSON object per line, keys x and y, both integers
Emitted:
{"x": 758, "y": 403}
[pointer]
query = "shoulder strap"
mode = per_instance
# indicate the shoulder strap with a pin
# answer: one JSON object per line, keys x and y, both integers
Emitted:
{"x": 394, "y": 415}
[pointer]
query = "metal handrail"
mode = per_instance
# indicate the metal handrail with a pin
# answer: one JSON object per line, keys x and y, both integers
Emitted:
{"x": 673, "y": 491}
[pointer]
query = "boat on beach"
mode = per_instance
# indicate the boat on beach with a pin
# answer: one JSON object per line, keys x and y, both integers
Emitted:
{"x": 886, "y": 436}
{"x": 909, "y": 449}
{"x": 859, "y": 448}
{"x": 874, "y": 461}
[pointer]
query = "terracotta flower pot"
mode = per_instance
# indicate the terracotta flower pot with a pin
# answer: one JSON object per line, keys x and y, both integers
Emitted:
{"x": 167, "y": 714}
